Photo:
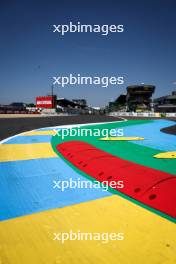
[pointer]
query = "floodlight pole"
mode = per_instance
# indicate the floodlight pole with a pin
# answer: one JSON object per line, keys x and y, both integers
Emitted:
{"x": 52, "y": 92}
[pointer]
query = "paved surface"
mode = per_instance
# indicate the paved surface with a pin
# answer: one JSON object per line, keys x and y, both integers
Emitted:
{"x": 31, "y": 210}
{"x": 12, "y": 126}
{"x": 169, "y": 130}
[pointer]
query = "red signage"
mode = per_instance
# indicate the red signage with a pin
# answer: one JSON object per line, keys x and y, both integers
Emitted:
{"x": 46, "y": 101}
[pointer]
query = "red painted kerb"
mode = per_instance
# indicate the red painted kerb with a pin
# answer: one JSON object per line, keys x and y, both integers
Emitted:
{"x": 149, "y": 186}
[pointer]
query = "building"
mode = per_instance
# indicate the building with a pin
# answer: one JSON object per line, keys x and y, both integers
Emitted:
{"x": 166, "y": 104}
{"x": 76, "y": 103}
{"x": 80, "y": 102}
{"x": 75, "y": 106}
{"x": 119, "y": 104}
{"x": 139, "y": 98}
{"x": 13, "y": 108}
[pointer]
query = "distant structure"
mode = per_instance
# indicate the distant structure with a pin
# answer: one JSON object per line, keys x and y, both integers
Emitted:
{"x": 13, "y": 108}
{"x": 80, "y": 102}
{"x": 51, "y": 103}
{"x": 166, "y": 104}
{"x": 76, "y": 106}
{"x": 119, "y": 104}
{"x": 18, "y": 106}
{"x": 75, "y": 103}
{"x": 138, "y": 98}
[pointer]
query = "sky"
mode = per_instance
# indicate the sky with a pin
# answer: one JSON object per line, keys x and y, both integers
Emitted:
{"x": 31, "y": 54}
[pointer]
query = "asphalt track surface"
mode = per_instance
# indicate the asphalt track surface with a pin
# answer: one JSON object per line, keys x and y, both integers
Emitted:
{"x": 12, "y": 126}
{"x": 169, "y": 130}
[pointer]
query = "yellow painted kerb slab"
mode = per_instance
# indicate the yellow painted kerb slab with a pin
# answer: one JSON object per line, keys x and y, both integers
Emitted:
{"x": 121, "y": 138}
{"x": 13, "y": 152}
{"x": 39, "y": 133}
{"x": 148, "y": 238}
{"x": 166, "y": 155}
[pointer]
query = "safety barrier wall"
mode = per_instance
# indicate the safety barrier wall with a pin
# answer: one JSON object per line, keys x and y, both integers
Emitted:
{"x": 149, "y": 114}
